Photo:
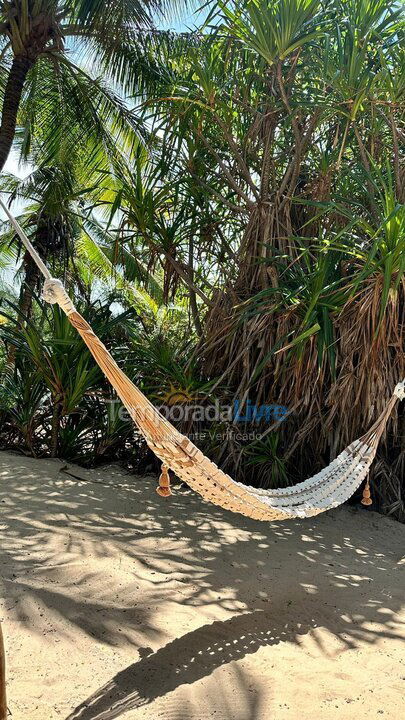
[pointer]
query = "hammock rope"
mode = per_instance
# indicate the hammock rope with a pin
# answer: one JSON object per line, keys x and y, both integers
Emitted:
{"x": 327, "y": 489}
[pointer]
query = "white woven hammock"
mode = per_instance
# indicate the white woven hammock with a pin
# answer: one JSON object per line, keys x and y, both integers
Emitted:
{"x": 327, "y": 489}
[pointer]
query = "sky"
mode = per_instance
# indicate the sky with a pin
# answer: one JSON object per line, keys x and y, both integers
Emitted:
{"x": 189, "y": 19}
{"x": 13, "y": 166}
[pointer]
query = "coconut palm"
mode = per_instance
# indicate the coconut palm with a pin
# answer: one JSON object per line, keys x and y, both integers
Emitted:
{"x": 59, "y": 217}
{"x": 43, "y": 44}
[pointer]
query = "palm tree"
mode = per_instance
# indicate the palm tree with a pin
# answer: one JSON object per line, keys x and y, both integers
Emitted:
{"x": 52, "y": 198}
{"x": 39, "y": 41}
{"x": 58, "y": 215}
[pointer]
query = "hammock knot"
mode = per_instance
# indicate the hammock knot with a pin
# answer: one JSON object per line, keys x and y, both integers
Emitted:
{"x": 399, "y": 390}
{"x": 55, "y": 292}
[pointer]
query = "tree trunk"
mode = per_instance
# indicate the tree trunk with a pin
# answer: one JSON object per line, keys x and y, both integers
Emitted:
{"x": 12, "y": 96}
{"x": 3, "y": 700}
{"x": 191, "y": 291}
{"x": 30, "y": 282}
{"x": 29, "y": 285}
{"x": 56, "y": 415}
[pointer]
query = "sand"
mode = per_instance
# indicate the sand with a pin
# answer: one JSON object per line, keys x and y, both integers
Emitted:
{"x": 119, "y": 604}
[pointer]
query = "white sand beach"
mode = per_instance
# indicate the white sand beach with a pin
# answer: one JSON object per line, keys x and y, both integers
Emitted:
{"x": 116, "y": 603}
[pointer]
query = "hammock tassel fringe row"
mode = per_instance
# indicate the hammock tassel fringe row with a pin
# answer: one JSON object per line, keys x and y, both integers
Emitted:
{"x": 366, "y": 499}
{"x": 327, "y": 489}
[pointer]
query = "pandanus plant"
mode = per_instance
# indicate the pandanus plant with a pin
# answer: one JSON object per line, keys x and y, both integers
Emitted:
{"x": 283, "y": 119}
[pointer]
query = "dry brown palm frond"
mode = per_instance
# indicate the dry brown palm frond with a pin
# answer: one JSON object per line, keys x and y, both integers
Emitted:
{"x": 372, "y": 357}
{"x": 250, "y": 353}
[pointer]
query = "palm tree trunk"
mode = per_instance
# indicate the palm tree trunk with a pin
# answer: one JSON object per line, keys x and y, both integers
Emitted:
{"x": 32, "y": 276}
{"x": 3, "y": 700}
{"x": 12, "y": 96}
{"x": 29, "y": 285}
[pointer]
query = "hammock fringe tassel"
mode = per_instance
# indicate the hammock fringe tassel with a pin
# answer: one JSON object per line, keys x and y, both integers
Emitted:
{"x": 163, "y": 489}
{"x": 366, "y": 499}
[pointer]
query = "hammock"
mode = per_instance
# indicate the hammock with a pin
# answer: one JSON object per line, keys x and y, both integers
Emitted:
{"x": 325, "y": 490}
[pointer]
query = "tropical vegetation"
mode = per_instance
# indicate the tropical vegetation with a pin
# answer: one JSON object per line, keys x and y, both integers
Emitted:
{"x": 227, "y": 207}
